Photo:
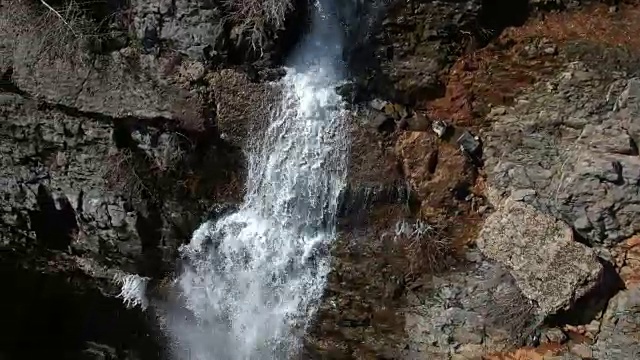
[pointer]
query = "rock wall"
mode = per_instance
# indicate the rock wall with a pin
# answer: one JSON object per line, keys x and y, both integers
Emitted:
{"x": 114, "y": 150}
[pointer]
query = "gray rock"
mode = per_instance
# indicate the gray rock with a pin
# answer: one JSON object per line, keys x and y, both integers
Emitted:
{"x": 577, "y": 154}
{"x": 194, "y": 28}
{"x": 34, "y": 144}
{"x": 539, "y": 251}
{"x": 619, "y": 336}
{"x": 62, "y": 71}
{"x": 519, "y": 195}
{"x": 461, "y": 315}
{"x": 468, "y": 143}
{"x": 553, "y": 335}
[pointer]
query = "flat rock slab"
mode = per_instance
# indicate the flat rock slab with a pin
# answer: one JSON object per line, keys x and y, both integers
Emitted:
{"x": 549, "y": 267}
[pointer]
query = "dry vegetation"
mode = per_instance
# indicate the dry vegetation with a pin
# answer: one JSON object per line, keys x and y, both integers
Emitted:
{"x": 426, "y": 247}
{"x": 120, "y": 174}
{"x": 52, "y": 30}
{"x": 255, "y": 17}
{"x": 509, "y": 309}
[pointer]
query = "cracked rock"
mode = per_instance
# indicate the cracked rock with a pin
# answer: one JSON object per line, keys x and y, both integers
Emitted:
{"x": 576, "y": 150}
{"x": 619, "y": 337}
{"x": 539, "y": 251}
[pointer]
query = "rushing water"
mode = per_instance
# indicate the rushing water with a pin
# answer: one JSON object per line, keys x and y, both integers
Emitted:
{"x": 253, "y": 277}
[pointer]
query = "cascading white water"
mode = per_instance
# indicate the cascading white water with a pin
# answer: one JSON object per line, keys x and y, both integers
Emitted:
{"x": 253, "y": 276}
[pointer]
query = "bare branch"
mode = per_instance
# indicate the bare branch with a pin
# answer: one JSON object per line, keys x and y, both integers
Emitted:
{"x": 60, "y": 16}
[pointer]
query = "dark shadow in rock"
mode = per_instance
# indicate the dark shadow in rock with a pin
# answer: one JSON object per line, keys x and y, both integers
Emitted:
{"x": 633, "y": 146}
{"x": 7, "y": 85}
{"x": 57, "y": 316}
{"x": 362, "y": 56}
{"x": 461, "y": 191}
{"x": 356, "y": 201}
{"x": 579, "y": 238}
{"x": 497, "y": 15}
{"x": 149, "y": 229}
{"x": 593, "y": 303}
{"x": 54, "y": 228}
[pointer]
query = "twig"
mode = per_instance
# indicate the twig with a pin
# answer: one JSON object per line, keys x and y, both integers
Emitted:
{"x": 58, "y": 15}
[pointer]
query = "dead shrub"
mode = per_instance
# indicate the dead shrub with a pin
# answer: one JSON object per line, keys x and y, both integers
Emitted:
{"x": 53, "y": 31}
{"x": 255, "y": 17}
{"x": 120, "y": 174}
{"x": 425, "y": 247}
{"x": 508, "y": 309}
{"x": 169, "y": 154}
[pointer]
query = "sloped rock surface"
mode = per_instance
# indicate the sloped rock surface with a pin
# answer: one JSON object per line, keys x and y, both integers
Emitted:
{"x": 573, "y": 149}
{"x": 472, "y": 310}
{"x": 549, "y": 266}
{"x": 243, "y": 107}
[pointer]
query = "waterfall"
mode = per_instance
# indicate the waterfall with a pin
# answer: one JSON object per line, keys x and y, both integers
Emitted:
{"x": 254, "y": 277}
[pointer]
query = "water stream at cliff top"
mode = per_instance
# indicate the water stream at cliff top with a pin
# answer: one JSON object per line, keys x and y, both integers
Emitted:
{"x": 254, "y": 277}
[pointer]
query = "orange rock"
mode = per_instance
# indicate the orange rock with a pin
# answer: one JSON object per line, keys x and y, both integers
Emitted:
{"x": 627, "y": 257}
{"x": 528, "y": 353}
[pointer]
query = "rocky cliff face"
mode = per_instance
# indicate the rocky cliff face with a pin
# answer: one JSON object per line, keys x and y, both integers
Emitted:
{"x": 120, "y": 136}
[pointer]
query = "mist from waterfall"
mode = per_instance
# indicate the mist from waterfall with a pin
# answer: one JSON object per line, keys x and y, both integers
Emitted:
{"x": 253, "y": 278}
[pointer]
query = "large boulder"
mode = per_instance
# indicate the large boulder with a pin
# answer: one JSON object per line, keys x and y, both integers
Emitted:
{"x": 468, "y": 312}
{"x": 549, "y": 266}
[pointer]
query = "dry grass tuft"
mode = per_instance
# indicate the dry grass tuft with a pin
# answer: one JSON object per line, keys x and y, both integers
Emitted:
{"x": 255, "y": 17}
{"x": 425, "y": 247}
{"x": 120, "y": 174}
{"x": 509, "y": 309}
{"x": 53, "y": 30}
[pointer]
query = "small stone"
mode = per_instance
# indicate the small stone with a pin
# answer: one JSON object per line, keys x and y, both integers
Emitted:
{"x": 550, "y": 50}
{"x": 483, "y": 209}
{"x": 582, "y": 350}
{"x": 521, "y": 194}
{"x": 497, "y": 111}
{"x": 553, "y": 335}
{"x": 61, "y": 159}
{"x": 440, "y": 127}
{"x": 469, "y": 143}
{"x": 378, "y": 104}
{"x": 469, "y": 351}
